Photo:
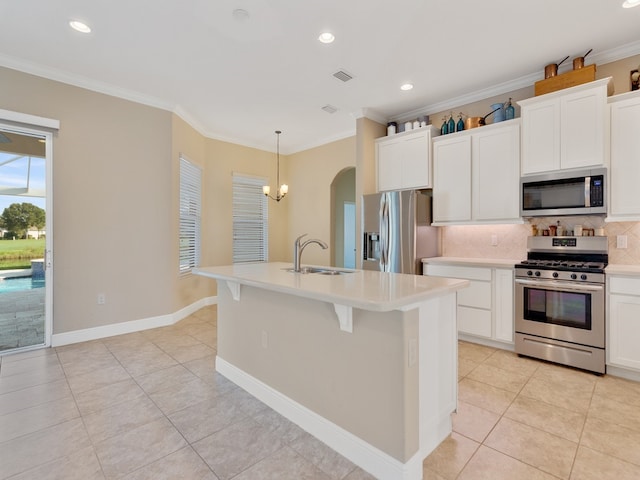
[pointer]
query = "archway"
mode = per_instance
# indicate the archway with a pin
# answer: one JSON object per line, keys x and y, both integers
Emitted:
{"x": 343, "y": 218}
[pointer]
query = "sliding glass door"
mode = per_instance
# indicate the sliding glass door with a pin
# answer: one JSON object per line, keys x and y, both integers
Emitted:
{"x": 25, "y": 239}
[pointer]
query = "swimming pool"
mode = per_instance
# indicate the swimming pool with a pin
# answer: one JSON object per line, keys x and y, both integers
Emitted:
{"x": 19, "y": 283}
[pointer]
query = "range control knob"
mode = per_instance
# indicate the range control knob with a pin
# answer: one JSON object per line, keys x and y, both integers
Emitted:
{"x": 573, "y": 276}
{"x": 555, "y": 274}
{"x": 537, "y": 274}
{"x": 529, "y": 272}
{"x": 583, "y": 276}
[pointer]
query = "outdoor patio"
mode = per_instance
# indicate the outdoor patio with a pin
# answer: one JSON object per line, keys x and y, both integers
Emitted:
{"x": 21, "y": 318}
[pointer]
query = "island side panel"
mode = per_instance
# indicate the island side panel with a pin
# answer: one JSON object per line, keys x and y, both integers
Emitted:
{"x": 360, "y": 381}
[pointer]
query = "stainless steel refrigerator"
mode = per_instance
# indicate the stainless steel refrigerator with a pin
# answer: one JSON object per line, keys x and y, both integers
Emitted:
{"x": 397, "y": 231}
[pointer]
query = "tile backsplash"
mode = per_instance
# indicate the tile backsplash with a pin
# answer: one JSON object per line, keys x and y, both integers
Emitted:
{"x": 475, "y": 241}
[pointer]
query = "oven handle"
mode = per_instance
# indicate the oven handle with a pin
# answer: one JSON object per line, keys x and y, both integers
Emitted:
{"x": 549, "y": 284}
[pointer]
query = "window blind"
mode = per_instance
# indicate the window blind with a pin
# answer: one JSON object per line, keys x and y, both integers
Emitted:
{"x": 190, "y": 209}
{"x": 250, "y": 220}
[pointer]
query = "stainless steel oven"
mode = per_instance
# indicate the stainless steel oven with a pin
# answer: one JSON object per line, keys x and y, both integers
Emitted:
{"x": 560, "y": 301}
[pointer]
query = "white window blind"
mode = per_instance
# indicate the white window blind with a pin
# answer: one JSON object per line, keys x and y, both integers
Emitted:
{"x": 190, "y": 208}
{"x": 250, "y": 220}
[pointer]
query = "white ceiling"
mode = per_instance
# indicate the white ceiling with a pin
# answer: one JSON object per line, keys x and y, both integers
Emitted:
{"x": 239, "y": 80}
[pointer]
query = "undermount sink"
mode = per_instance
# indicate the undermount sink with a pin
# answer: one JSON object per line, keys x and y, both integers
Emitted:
{"x": 320, "y": 271}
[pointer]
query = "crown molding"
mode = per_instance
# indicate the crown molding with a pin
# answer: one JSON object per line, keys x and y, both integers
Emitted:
{"x": 82, "y": 82}
{"x": 612, "y": 55}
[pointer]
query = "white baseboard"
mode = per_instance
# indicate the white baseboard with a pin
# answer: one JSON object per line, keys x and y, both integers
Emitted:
{"x": 95, "y": 333}
{"x": 363, "y": 454}
{"x": 625, "y": 373}
{"x": 487, "y": 342}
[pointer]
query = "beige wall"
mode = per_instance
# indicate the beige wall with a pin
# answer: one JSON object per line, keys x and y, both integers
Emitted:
{"x": 115, "y": 202}
{"x": 112, "y": 202}
{"x": 223, "y": 159}
{"x": 310, "y": 175}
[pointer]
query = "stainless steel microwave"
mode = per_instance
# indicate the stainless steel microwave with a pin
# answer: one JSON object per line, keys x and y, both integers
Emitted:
{"x": 578, "y": 192}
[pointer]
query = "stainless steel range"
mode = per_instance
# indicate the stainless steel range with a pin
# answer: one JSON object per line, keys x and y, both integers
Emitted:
{"x": 560, "y": 301}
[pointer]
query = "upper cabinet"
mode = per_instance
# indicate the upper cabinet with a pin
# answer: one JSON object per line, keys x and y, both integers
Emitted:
{"x": 404, "y": 160}
{"x": 624, "y": 172}
{"x": 476, "y": 175}
{"x": 566, "y": 129}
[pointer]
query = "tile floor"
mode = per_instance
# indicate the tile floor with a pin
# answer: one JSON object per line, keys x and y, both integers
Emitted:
{"x": 149, "y": 405}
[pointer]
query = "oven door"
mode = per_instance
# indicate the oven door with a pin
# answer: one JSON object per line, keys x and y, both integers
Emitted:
{"x": 567, "y": 311}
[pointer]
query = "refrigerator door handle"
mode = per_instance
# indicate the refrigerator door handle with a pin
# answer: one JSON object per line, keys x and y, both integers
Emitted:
{"x": 384, "y": 232}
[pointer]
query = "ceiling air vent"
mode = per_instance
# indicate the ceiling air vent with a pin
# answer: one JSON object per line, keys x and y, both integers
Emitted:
{"x": 329, "y": 108}
{"x": 342, "y": 75}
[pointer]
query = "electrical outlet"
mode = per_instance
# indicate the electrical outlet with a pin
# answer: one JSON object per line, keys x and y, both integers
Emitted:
{"x": 494, "y": 240}
{"x": 621, "y": 241}
{"x": 413, "y": 351}
{"x": 264, "y": 340}
{"x": 102, "y": 299}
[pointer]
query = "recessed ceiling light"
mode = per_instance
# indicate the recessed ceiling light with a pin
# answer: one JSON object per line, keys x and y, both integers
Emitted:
{"x": 240, "y": 15}
{"x": 406, "y": 86}
{"x": 326, "y": 37}
{"x": 80, "y": 26}
{"x": 630, "y": 3}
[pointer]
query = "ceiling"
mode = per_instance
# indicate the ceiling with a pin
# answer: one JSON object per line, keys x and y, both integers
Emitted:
{"x": 239, "y": 78}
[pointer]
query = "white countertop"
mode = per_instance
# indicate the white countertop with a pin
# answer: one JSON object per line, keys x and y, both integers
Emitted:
{"x": 613, "y": 269}
{"x": 474, "y": 262}
{"x": 364, "y": 289}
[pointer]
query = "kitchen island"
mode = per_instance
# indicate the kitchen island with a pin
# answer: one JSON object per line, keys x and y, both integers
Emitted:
{"x": 365, "y": 361}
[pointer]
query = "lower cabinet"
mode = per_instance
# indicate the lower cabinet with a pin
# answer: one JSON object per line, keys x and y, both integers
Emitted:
{"x": 485, "y": 308}
{"x": 623, "y": 336}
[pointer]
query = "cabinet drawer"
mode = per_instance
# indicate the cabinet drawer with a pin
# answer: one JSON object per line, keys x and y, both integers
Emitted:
{"x": 454, "y": 271}
{"x": 474, "y": 321}
{"x": 626, "y": 285}
{"x": 478, "y": 295}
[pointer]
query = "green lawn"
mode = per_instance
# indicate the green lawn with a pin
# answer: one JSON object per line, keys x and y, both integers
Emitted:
{"x": 18, "y": 253}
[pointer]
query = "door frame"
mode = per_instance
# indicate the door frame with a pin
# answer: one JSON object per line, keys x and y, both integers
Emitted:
{"x": 40, "y": 127}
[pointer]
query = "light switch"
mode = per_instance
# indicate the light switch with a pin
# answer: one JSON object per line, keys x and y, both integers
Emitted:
{"x": 494, "y": 240}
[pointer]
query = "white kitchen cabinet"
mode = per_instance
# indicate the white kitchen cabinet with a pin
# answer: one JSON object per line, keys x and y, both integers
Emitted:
{"x": 485, "y": 308}
{"x": 624, "y": 171}
{"x": 623, "y": 335}
{"x": 503, "y": 304}
{"x": 404, "y": 160}
{"x": 566, "y": 129}
{"x": 452, "y": 179}
{"x": 477, "y": 175}
{"x": 495, "y": 161}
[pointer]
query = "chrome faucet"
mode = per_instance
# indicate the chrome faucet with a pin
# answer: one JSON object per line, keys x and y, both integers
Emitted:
{"x": 298, "y": 247}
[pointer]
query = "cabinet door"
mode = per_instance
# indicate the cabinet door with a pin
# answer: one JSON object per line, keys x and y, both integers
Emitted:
{"x": 582, "y": 127}
{"x": 503, "y": 305}
{"x": 541, "y": 137}
{"x": 452, "y": 179}
{"x": 416, "y": 171}
{"x": 474, "y": 321}
{"x": 624, "y": 331}
{"x": 624, "y": 174}
{"x": 389, "y": 158}
{"x": 496, "y": 173}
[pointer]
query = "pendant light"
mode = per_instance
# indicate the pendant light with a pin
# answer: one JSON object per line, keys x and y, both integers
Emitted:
{"x": 282, "y": 189}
